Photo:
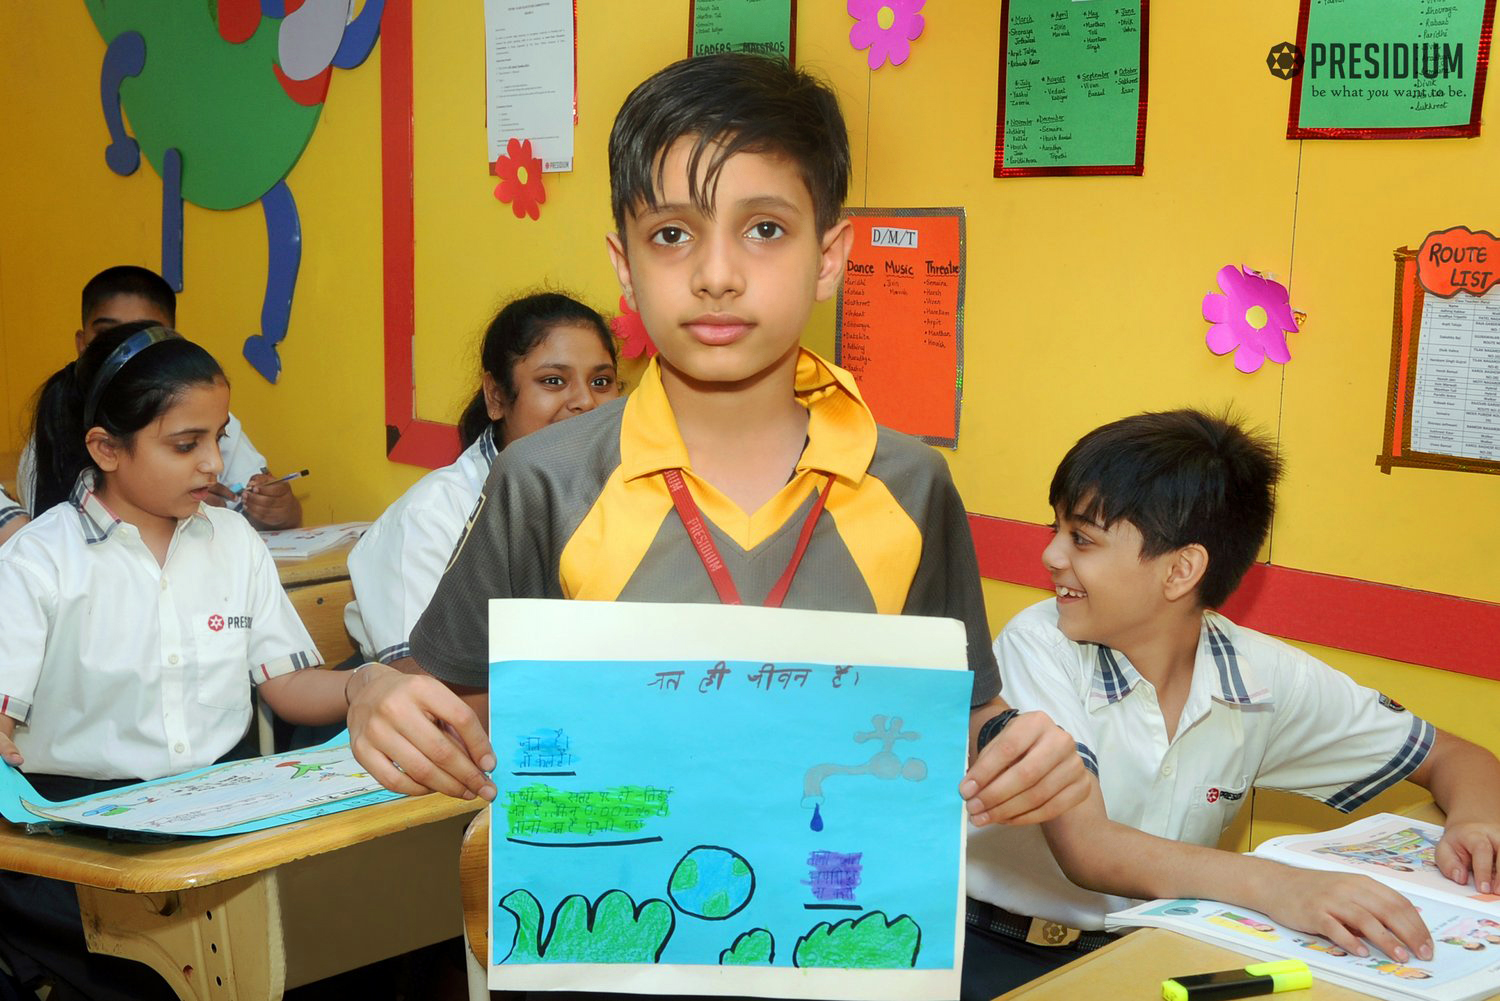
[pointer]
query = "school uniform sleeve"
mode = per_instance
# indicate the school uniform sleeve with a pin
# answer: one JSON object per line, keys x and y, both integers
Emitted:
{"x": 946, "y": 583}
{"x": 1337, "y": 741}
{"x": 1042, "y": 672}
{"x": 395, "y": 568}
{"x": 28, "y": 600}
{"x": 279, "y": 643}
{"x": 9, "y": 509}
{"x": 241, "y": 459}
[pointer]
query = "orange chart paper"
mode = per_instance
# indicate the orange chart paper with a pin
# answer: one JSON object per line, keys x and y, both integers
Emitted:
{"x": 900, "y": 318}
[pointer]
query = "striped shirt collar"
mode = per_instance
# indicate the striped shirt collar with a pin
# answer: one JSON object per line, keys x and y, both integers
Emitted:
{"x": 98, "y": 521}
{"x": 1228, "y": 679}
{"x": 486, "y": 443}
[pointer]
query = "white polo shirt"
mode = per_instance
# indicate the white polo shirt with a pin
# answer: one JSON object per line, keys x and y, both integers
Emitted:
{"x": 1259, "y": 712}
{"x": 241, "y": 461}
{"x": 9, "y": 509}
{"x": 396, "y": 565}
{"x": 116, "y": 667}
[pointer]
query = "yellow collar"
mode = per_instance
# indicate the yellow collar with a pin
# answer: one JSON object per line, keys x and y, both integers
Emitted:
{"x": 840, "y": 430}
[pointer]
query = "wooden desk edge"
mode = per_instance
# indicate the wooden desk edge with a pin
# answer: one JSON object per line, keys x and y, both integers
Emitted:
{"x": 187, "y": 863}
{"x": 332, "y": 564}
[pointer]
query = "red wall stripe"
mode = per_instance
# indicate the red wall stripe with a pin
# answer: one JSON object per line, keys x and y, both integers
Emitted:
{"x": 1397, "y": 623}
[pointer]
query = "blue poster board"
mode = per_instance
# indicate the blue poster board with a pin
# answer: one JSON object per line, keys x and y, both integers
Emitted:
{"x": 713, "y": 824}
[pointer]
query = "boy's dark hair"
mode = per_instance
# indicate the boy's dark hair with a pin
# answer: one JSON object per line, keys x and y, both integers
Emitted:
{"x": 127, "y": 279}
{"x": 140, "y": 392}
{"x": 730, "y": 103}
{"x": 1179, "y": 477}
{"x": 516, "y": 329}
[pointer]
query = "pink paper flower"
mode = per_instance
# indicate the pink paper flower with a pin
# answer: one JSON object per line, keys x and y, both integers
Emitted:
{"x": 1251, "y": 318}
{"x": 634, "y": 341}
{"x": 520, "y": 176}
{"x": 886, "y": 28}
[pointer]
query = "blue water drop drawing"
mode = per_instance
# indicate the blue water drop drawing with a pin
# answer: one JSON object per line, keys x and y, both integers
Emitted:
{"x": 817, "y": 821}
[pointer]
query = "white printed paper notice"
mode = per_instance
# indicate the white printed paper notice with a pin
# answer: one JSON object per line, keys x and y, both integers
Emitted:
{"x": 529, "y": 77}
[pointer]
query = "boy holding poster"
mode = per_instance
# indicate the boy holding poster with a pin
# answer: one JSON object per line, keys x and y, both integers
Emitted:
{"x": 743, "y": 465}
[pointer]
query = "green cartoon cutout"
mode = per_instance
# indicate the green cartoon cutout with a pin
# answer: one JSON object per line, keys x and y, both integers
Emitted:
{"x": 222, "y": 97}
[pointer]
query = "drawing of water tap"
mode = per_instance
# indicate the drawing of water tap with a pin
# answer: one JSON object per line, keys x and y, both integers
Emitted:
{"x": 883, "y": 764}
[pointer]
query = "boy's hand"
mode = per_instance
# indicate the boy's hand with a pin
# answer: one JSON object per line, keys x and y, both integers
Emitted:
{"x": 271, "y": 505}
{"x": 218, "y": 495}
{"x": 1028, "y": 774}
{"x": 415, "y": 735}
{"x": 1470, "y": 849}
{"x": 1345, "y": 908}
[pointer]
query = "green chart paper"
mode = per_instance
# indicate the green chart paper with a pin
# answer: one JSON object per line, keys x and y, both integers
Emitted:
{"x": 1376, "y": 64}
{"x": 1073, "y": 75}
{"x": 742, "y": 26}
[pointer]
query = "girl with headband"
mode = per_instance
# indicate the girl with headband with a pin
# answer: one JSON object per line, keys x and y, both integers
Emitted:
{"x": 137, "y": 618}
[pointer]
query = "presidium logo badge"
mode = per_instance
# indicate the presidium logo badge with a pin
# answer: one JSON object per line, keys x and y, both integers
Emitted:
{"x": 1284, "y": 60}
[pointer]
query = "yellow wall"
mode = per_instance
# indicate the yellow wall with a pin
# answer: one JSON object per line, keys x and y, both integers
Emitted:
{"x": 1083, "y": 302}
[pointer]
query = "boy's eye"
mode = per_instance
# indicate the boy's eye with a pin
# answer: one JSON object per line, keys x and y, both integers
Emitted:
{"x": 766, "y": 230}
{"x": 1080, "y": 539}
{"x": 669, "y": 236}
{"x": 603, "y": 382}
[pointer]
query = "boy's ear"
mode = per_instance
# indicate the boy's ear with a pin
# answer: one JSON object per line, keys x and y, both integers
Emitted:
{"x": 836, "y": 245}
{"x": 1185, "y": 570}
{"x": 494, "y": 399}
{"x": 79, "y": 343}
{"x": 615, "y": 243}
{"x": 103, "y": 448}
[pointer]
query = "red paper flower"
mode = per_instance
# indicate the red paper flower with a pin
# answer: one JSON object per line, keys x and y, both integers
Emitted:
{"x": 520, "y": 176}
{"x": 634, "y": 341}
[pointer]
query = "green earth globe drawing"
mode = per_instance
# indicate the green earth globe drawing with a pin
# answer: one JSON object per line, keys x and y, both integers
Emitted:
{"x": 711, "y": 883}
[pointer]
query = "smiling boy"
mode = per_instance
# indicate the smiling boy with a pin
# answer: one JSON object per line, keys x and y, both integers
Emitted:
{"x": 1179, "y": 713}
{"x": 728, "y": 175}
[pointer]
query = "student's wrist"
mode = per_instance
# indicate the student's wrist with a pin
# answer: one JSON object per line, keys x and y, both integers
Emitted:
{"x": 355, "y": 684}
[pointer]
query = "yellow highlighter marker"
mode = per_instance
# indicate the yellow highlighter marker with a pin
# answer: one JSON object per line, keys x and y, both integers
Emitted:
{"x": 1252, "y": 981}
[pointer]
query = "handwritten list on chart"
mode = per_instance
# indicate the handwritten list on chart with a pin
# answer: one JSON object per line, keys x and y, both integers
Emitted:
{"x": 1073, "y": 79}
{"x": 900, "y": 318}
{"x": 1456, "y": 395}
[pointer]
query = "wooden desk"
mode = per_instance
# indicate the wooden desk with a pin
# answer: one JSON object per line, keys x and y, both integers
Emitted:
{"x": 1136, "y": 965}
{"x": 330, "y": 565}
{"x": 249, "y": 915}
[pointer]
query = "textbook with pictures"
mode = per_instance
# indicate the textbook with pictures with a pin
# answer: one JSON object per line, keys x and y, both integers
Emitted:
{"x": 1397, "y": 851}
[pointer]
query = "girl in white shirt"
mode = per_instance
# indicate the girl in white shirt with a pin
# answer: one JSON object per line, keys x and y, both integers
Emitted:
{"x": 137, "y": 617}
{"x": 545, "y": 358}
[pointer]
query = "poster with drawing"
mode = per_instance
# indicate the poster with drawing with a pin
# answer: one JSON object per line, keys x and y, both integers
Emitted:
{"x": 232, "y": 798}
{"x": 734, "y": 801}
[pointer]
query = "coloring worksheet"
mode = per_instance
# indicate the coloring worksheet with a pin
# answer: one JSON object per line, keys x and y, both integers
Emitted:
{"x": 230, "y": 798}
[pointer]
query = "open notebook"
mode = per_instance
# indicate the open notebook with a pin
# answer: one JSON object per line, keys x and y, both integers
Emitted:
{"x": 1398, "y": 852}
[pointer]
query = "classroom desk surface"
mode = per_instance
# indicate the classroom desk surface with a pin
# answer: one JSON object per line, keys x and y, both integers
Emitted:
{"x": 1136, "y": 965}
{"x": 184, "y": 863}
{"x": 333, "y": 564}
{"x": 249, "y": 915}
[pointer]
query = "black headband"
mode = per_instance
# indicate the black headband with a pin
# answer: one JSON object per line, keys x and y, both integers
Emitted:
{"x": 123, "y": 352}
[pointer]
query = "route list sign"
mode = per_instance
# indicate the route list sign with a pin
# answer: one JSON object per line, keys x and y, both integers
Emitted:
{"x": 900, "y": 318}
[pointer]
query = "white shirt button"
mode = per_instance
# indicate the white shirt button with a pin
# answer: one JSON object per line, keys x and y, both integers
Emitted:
{"x": 179, "y": 747}
{"x": 164, "y": 583}
{"x": 1167, "y": 769}
{"x": 172, "y": 659}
